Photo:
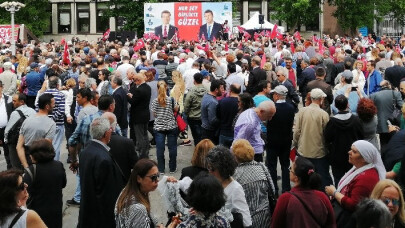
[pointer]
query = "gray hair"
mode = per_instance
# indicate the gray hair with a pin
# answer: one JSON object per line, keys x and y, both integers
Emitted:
{"x": 372, "y": 213}
{"x": 117, "y": 80}
{"x": 99, "y": 127}
{"x": 89, "y": 82}
{"x": 111, "y": 118}
{"x": 283, "y": 70}
{"x": 53, "y": 82}
{"x": 7, "y": 65}
{"x": 398, "y": 62}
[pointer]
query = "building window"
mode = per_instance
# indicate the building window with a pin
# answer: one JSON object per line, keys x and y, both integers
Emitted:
{"x": 254, "y": 7}
{"x": 64, "y": 18}
{"x": 83, "y": 18}
{"x": 103, "y": 23}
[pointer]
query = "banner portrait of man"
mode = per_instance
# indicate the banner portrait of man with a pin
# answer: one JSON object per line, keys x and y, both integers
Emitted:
{"x": 166, "y": 30}
{"x": 211, "y": 28}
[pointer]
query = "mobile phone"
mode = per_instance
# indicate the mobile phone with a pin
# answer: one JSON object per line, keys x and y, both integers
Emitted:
{"x": 354, "y": 88}
{"x": 389, "y": 123}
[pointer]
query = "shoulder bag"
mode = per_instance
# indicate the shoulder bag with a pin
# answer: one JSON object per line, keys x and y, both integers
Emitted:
{"x": 181, "y": 124}
{"x": 395, "y": 117}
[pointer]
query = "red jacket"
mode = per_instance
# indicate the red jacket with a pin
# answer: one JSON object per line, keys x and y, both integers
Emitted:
{"x": 290, "y": 213}
{"x": 360, "y": 187}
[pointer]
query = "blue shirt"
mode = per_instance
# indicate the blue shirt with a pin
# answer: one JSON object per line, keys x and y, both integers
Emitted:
{"x": 353, "y": 99}
{"x": 209, "y": 118}
{"x": 34, "y": 82}
{"x": 373, "y": 83}
{"x": 248, "y": 127}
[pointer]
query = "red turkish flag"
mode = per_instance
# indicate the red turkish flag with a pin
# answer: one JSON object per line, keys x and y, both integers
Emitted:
{"x": 106, "y": 35}
{"x": 226, "y": 47}
{"x": 263, "y": 61}
{"x": 297, "y": 35}
{"x": 140, "y": 44}
{"x": 66, "y": 55}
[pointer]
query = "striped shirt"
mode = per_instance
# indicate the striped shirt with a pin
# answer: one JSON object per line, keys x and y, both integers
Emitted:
{"x": 58, "y": 113}
{"x": 164, "y": 118}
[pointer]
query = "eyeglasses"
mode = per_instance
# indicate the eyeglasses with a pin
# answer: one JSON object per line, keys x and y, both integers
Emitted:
{"x": 279, "y": 75}
{"x": 387, "y": 201}
{"x": 291, "y": 170}
{"x": 154, "y": 177}
{"x": 21, "y": 187}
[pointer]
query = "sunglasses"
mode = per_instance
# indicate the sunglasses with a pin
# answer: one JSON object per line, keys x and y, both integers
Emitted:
{"x": 387, "y": 201}
{"x": 279, "y": 75}
{"x": 154, "y": 177}
{"x": 21, "y": 187}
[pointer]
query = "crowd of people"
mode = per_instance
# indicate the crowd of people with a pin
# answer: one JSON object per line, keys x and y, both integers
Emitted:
{"x": 330, "y": 111}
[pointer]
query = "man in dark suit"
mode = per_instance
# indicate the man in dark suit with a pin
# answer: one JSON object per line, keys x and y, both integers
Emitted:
{"x": 255, "y": 76}
{"x": 395, "y": 73}
{"x": 210, "y": 29}
{"x": 307, "y": 75}
{"x": 100, "y": 178}
{"x": 292, "y": 96}
{"x": 139, "y": 96}
{"x": 121, "y": 104}
{"x": 122, "y": 148}
{"x": 279, "y": 137}
{"x": 165, "y": 31}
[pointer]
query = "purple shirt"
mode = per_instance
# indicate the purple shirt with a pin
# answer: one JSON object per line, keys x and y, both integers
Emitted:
{"x": 248, "y": 127}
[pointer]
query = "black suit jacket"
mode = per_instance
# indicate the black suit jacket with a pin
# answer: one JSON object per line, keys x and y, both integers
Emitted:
{"x": 279, "y": 128}
{"x": 121, "y": 107}
{"x": 394, "y": 75}
{"x": 216, "y": 31}
{"x": 170, "y": 33}
{"x": 123, "y": 151}
{"x": 255, "y": 76}
{"x": 101, "y": 183}
{"x": 140, "y": 113}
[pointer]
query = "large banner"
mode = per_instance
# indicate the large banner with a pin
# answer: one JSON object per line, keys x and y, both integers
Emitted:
{"x": 187, "y": 20}
{"x": 5, "y": 33}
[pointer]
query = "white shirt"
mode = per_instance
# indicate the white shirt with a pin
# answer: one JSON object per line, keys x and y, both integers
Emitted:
{"x": 3, "y": 112}
{"x": 189, "y": 78}
{"x": 236, "y": 202}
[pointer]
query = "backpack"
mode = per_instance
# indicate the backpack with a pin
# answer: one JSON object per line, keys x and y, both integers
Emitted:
{"x": 14, "y": 133}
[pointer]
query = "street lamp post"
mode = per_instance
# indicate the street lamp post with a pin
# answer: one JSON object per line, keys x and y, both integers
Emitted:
{"x": 12, "y": 7}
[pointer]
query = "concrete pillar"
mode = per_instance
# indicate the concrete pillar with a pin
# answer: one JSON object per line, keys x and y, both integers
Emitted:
{"x": 245, "y": 8}
{"x": 265, "y": 10}
{"x": 112, "y": 24}
{"x": 54, "y": 18}
{"x": 93, "y": 18}
{"x": 321, "y": 22}
{"x": 73, "y": 18}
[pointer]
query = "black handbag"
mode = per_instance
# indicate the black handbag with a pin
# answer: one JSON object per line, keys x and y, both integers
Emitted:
{"x": 395, "y": 117}
{"x": 342, "y": 216}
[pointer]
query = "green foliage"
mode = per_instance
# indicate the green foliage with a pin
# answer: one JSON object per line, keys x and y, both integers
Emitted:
{"x": 129, "y": 10}
{"x": 35, "y": 15}
{"x": 353, "y": 14}
{"x": 295, "y": 12}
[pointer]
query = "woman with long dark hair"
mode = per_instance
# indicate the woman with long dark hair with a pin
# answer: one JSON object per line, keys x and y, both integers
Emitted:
{"x": 304, "y": 205}
{"x": 13, "y": 198}
{"x": 133, "y": 207}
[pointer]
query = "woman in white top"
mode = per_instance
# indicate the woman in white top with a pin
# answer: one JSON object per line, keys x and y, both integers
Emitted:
{"x": 13, "y": 198}
{"x": 358, "y": 76}
{"x": 103, "y": 76}
{"x": 222, "y": 164}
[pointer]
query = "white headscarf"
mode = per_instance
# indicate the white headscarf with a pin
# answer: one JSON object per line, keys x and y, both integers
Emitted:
{"x": 371, "y": 156}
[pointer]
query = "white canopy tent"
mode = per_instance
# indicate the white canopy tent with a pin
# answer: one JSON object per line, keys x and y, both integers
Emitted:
{"x": 253, "y": 23}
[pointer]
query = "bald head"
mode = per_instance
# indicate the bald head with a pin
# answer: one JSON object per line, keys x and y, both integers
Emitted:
{"x": 266, "y": 110}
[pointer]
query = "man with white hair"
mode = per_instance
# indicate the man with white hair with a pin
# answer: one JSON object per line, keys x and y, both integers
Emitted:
{"x": 308, "y": 135}
{"x": 101, "y": 179}
{"x": 123, "y": 69}
{"x": 183, "y": 66}
{"x": 292, "y": 96}
{"x": 9, "y": 79}
{"x": 248, "y": 126}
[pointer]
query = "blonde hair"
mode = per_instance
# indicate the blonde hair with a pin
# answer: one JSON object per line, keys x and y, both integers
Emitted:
{"x": 356, "y": 63}
{"x": 70, "y": 83}
{"x": 267, "y": 67}
{"x": 179, "y": 87}
{"x": 243, "y": 150}
{"x": 200, "y": 152}
{"x": 381, "y": 186}
{"x": 162, "y": 89}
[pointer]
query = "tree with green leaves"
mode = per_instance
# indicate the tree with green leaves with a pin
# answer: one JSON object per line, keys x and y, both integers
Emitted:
{"x": 35, "y": 15}
{"x": 353, "y": 14}
{"x": 295, "y": 12}
{"x": 129, "y": 11}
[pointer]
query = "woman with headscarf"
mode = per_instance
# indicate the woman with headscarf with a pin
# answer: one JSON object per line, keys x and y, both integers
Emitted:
{"x": 359, "y": 182}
